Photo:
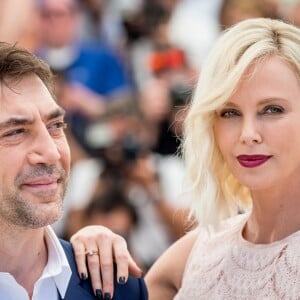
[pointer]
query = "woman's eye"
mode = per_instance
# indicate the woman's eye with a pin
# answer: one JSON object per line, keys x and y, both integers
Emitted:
{"x": 229, "y": 113}
{"x": 274, "y": 109}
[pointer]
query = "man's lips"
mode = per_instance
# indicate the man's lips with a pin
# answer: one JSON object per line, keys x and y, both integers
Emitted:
{"x": 41, "y": 181}
{"x": 42, "y": 186}
{"x": 252, "y": 161}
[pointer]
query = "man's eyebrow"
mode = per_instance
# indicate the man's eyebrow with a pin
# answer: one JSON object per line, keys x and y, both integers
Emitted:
{"x": 14, "y": 122}
{"x": 58, "y": 112}
{"x": 18, "y": 121}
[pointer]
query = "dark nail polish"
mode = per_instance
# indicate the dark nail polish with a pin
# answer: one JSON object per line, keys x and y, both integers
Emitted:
{"x": 122, "y": 280}
{"x": 99, "y": 294}
{"x": 83, "y": 276}
{"x": 107, "y": 296}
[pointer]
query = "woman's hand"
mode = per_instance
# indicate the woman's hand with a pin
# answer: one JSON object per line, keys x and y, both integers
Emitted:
{"x": 98, "y": 248}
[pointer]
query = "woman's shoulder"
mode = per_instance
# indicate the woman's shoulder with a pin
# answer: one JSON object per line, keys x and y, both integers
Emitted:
{"x": 164, "y": 277}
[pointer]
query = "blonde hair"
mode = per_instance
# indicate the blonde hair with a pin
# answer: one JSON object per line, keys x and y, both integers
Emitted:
{"x": 214, "y": 192}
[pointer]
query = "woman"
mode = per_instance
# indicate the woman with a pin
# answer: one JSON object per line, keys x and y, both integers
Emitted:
{"x": 241, "y": 147}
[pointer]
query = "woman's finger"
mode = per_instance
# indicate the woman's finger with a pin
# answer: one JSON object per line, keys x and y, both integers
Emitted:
{"x": 93, "y": 262}
{"x": 79, "y": 252}
{"x": 125, "y": 263}
{"x": 133, "y": 268}
{"x": 87, "y": 256}
{"x": 106, "y": 264}
{"x": 120, "y": 253}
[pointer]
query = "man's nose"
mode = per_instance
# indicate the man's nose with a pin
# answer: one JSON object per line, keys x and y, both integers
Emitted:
{"x": 44, "y": 148}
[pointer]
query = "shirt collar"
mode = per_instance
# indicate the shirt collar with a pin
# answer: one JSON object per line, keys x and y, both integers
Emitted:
{"x": 57, "y": 266}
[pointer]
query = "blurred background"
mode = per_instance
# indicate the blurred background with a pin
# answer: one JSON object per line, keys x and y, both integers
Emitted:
{"x": 125, "y": 72}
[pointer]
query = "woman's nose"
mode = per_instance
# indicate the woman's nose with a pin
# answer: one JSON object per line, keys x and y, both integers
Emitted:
{"x": 250, "y": 133}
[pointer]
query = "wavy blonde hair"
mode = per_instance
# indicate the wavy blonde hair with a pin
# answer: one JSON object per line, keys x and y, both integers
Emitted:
{"x": 214, "y": 192}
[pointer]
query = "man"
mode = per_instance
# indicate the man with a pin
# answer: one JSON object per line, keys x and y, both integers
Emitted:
{"x": 35, "y": 167}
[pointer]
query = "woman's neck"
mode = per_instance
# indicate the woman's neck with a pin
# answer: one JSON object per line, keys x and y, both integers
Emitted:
{"x": 274, "y": 216}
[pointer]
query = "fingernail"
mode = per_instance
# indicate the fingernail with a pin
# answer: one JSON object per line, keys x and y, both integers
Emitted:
{"x": 122, "y": 280}
{"x": 107, "y": 296}
{"x": 83, "y": 276}
{"x": 99, "y": 294}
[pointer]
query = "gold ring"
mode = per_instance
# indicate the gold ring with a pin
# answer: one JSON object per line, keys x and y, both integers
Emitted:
{"x": 91, "y": 252}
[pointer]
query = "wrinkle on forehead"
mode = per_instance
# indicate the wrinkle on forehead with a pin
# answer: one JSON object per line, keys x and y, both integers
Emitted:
{"x": 28, "y": 91}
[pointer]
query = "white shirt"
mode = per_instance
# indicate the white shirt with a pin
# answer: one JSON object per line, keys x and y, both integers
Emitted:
{"x": 55, "y": 277}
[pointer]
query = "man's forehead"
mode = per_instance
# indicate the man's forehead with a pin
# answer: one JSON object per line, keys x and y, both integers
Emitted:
{"x": 28, "y": 116}
{"x": 27, "y": 94}
{"x": 13, "y": 82}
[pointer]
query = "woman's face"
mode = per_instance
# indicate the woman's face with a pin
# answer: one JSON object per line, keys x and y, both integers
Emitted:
{"x": 258, "y": 129}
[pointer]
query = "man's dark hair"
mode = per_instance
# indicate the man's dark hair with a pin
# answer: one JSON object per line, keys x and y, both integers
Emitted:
{"x": 16, "y": 63}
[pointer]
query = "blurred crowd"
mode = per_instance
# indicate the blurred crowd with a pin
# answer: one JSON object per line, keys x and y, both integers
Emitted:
{"x": 124, "y": 73}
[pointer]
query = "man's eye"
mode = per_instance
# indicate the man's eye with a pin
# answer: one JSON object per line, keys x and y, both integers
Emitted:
{"x": 229, "y": 113}
{"x": 15, "y": 132}
{"x": 57, "y": 127}
{"x": 61, "y": 124}
{"x": 273, "y": 109}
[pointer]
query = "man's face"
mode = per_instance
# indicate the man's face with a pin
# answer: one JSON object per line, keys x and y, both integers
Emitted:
{"x": 34, "y": 155}
{"x": 59, "y": 20}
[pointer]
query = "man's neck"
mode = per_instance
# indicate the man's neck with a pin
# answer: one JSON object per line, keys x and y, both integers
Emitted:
{"x": 23, "y": 254}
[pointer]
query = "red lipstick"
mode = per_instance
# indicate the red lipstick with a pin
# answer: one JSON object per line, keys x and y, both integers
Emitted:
{"x": 252, "y": 161}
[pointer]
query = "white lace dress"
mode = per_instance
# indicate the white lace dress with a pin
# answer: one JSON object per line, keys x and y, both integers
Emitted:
{"x": 225, "y": 266}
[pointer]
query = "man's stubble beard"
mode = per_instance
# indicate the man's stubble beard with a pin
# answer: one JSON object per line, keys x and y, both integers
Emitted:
{"x": 17, "y": 210}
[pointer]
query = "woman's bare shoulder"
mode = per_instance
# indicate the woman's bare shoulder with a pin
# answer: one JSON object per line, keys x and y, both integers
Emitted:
{"x": 165, "y": 276}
